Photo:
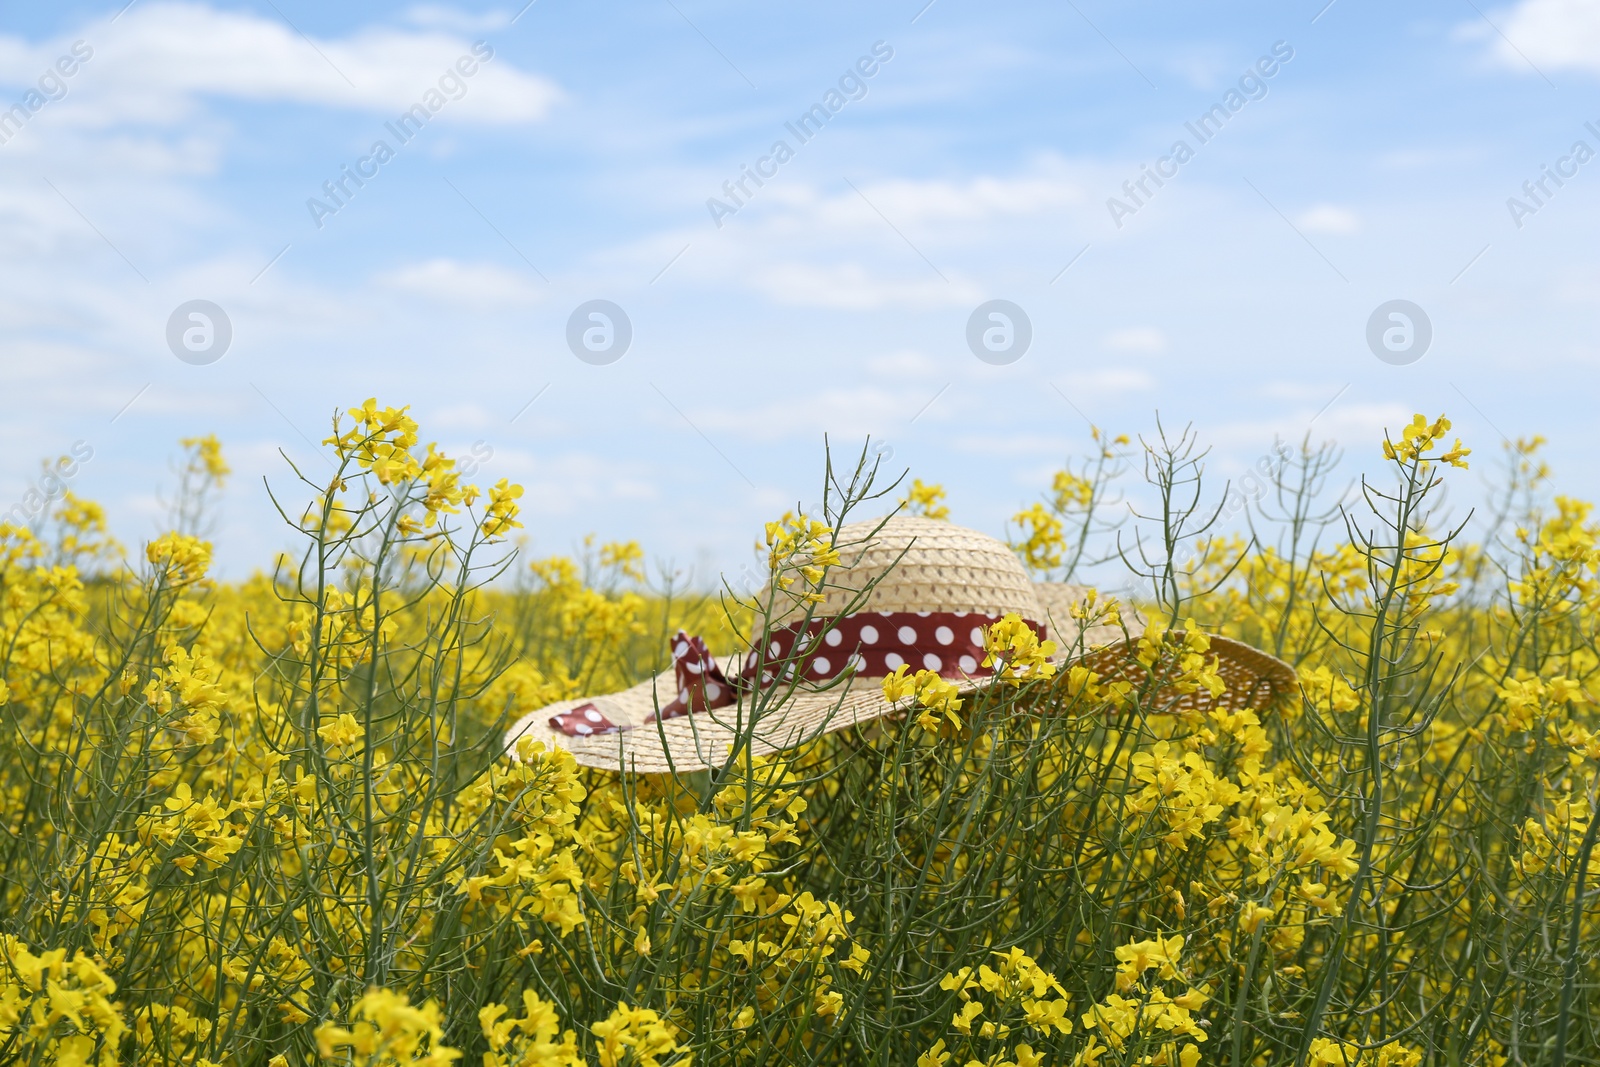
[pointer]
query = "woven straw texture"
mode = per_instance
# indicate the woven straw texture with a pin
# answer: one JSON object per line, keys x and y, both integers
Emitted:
{"x": 941, "y": 567}
{"x": 1254, "y": 678}
{"x": 921, "y": 565}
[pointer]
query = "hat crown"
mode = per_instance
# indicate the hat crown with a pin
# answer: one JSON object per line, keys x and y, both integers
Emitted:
{"x": 924, "y": 564}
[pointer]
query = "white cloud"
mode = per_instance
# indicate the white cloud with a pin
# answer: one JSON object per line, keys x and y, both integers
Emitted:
{"x": 1201, "y": 66}
{"x": 574, "y": 483}
{"x": 852, "y": 286}
{"x": 438, "y": 15}
{"x": 1301, "y": 392}
{"x": 1015, "y": 446}
{"x": 465, "y": 416}
{"x": 1429, "y": 158}
{"x": 906, "y": 201}
{"x": 476, "y": 285}
{"x": 1137, "y": 339}
{"x": 895, "y": 243}
{"x": 902, "y": 365}
{"x": 1329, "y": 218}
{"x": 1549, "y": 33}
{"x": 153, "y": 63}
{"x": 906, "y": 204}
{"x": 788, "y": 207}
{"x": 1111, "y": 380}
{"x": 1357, "y": 425}
{"x": 1351, "y": 423}
{"x": 848, "y": 413}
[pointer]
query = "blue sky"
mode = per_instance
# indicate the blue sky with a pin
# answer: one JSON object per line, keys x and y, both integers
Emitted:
{"x": 577, "y": 164}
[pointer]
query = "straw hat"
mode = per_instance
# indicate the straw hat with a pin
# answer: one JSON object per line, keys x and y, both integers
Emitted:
{"x": 908, "y": 590}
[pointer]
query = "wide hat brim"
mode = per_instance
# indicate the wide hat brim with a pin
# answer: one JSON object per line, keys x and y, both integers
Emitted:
{"x": 794, "y": 715}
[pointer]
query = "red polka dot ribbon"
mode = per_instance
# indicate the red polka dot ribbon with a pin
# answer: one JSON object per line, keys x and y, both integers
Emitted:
{"x": 872, "y": 643}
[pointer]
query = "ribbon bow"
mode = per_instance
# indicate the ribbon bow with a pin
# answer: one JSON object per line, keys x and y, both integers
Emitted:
{"x": 701, "y": 686}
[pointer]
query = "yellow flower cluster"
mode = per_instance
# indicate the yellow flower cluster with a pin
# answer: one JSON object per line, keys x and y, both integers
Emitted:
{"x": 179, "y": 558}
{"x": 926, "y": 500}
{"x": 381, "y": 440}
{"x": 529, "y": 1041}
{"x": 937, "y": 700}
{"x": 502, "y": 512}
{"x": 536, "y": 873}
{"x": 387, "y": 1030}
{"x": 187, "y": 689}
{"x": 1419, "y": 437}
{"x": 1327, "y": 1052}
{"x": 1151, "y": 1024}
{"x": 1016, "y": 998}
{"x": 207, "y": 451}
{"x": 55, "y": 1009}
{"x": 1181, "y": 790}
{"x": 635, "y": 1037}
{"x": 799, "y": 544}
{"x": 1044, "y": 541}
{"x": 1186, "y": 669}
{"x": 1013, "y": 650}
